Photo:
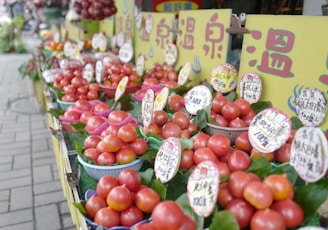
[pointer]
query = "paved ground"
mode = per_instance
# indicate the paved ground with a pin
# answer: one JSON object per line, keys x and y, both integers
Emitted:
{"x": 31, "y": 196}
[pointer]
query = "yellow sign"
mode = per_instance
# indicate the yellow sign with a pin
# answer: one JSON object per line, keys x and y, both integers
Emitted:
{"x": 290, "y": 54}
{"x": 203, "y": 41}
{"x": 151, "y": 39}
{"x": 124, "y": 19}
{"x": 107, "y": 26}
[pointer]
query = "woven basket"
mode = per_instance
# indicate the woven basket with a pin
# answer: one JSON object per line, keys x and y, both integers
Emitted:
{"x": 232, "y": 133}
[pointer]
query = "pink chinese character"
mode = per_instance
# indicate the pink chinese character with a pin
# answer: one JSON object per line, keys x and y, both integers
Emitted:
{"x": 214, "y": 34}
{"x": 128, "y": 28}
{"x": 120, "y": 22}
{"x": 162, "y": 32}
{"x": 280, "y": 40}
{"x": 188, "y": 42}
{"x": 144, "y": 35}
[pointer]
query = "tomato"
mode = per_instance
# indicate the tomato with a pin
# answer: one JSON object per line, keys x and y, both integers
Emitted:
{"x": 92, "y": 95}
{"x": 83, "y": 105}
{"x": 72, "y": 115}
{"x": 221, "y": 121}
{"x": 150, "y": 82}
{"x": 230, "y": 111}
{"x": 69, "y": 89}
{"x": 175, "y": 102}
{"x": 237, "y": 123}
{"x": 187, "y": 159}
{"x": 64, "y": 82}
{"x": 133, "y": 77}
{"x": 146, "y": 199}
{"x": 130, "y": 178}
{"x": 239, "y": 160}
{"x": 242, "y": 210}
{"x": 94, "y": 87}
{"x": 107, "y": 217}
{"x": 93, "y": 204}
{"x": 226, "y": 157}
{"x": 125, "y": 156}
{"x": 279, "y": 185}
{"x": 258, "y": 195}
{"x": 127, "y": 133}
{"x": 203, "y": 154}
{"x": 91, "y": 153}
{"x": 237, "y": 182}
{"x": 131, "y": 216}
{"x": 127, "y": 69}
{"x": 139, "y": 146}
{"x": 91, "y": 141}
{"x": 76, "y": 82}
{"x": 218, "y": 102}
{"x": 200, "y": 140}
{"x": 224, "y": 195}
{"x": 181, "y": 119}
{"x": 69, "y": 98}
{"x": 192, "y": 128}
{"x": 94, "y": 122}
{"x": 267, "y": 219}
{"x": 243, "y": 105}
{"x": 82, "y": 97}
{"x": 145, "y": 226}
{"x": 82, "y": 90}
{"x": 111, "y": 143}
{"x": 256, "y": 154}
{"x": 249, "y": 117}
{"x": 219, "y": 144}
{"x": 167, "y": 215}
{"x": 119, "y": 198}
{"x": 85, "y": 116}
{"x": 152, "y": 128}
{"x": 117, "y": 116}
{"x": 282, "y": 154}
{"x": 101, "y": 107}
{"x": 105, "y": 184}
{"x": 242, "y": 142}
{"x": 115, "y": 67}
{"x": 106, "y": 158}
{"x": 172, "y": 76}
{"x": 224, "y": 171}
{"x": 171, "y": 129}
{"x": 189, "y": 223}
{"x": 291, "y": 212}
{"x": 112, "y": 129}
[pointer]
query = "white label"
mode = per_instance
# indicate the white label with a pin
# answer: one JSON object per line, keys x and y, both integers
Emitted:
{"x": 311, "y": 107}
{"x": 147, "y": 106}
{"x": 167, "y": 159}
{"x": 203, "y": 188}
{"x": 140, "y": 66}
{"x": 250, "y": 87}
{"x": 57, "y": 37}
{"x": 197, "y": 98}
{"x": 121, "y": 88}
{"x": 120, "y": 39}
{"x": 95, "y": 41}
{"x": 113, "y": 41}
{"x": 102, "y": 42}
{"x": 126, "y": 53}
{"x": 170, "y": 54}
{"x": 149, "y": 24}
{"x": 184, "y": 74}
{"x": 67, "y": 47}
{"x": 269, "y": 130}
{"x": 139, "y": 20}
{"x": 223, "y": 78}
{"x": 99, "y": 71}
{"x": 88, "y": 72}
{"x": 309, "y": 153}
{"x": 161, "y": 99}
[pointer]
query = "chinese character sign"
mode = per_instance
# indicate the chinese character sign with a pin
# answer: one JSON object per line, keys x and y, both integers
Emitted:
{"x": 173, "y": 6}
{"x": 124, "y": 19}
{"x": 156, "y": 32}
{"x": 203, "y": 41}
{"x": 290, "y": 54}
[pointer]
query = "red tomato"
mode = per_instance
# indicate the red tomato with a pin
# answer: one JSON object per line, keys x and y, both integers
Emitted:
{"x": 218, "y": 102}
{"x": 242, "y": 210}
{"x": 106, "y": 158}
{"x": 125, "y": 156}
{"x": 139, "y": 146}
{"x": 101, "y": 107}
{"x": 111, "y": 143}
{"x": 249, "y": 117}
{"x": 131, "y": 216}
{"x": 172, "y": 76}
{"x": 237, "y": 123}
{"x": 291, "y": 212}
{"x": 242, "y": 142}
{"x": 94, "y": 204}
{"x": 219, "y": 144}
{"x": 239, "y": 160}
{"x": 203, "y": 154}
{"x": 146, "y": 199}
{"x": 187, "y": 159}
{"x": 258, "y": 195}
{"x": 94, "y": 122}
{"x": 282, "y": 154}
{"x": 85, "y": 116}
{"x": 82, "y": 90}
{"x": 224, "y": 171}
{"x": 176, "y": 102}
{"x": 92, "y": 153}
{"x": 92, "y": 95}
{"x": 94, "y": 87}
{"x": 72, "y": 115}
{"x": 230, "y": 111}
{"x": 91, "y": 141}
{"x": 224, "y": 195}
{"x": 107, "y": 217}
{"x": 221, "y": 121}
{"x": 69, "y": 98}
{"x": 237, "y": 182}
{"x": 77, "y": 82}
{"x": 243, "y": 105}
{"x": 168, "y": 215}
{"x": 267, "y": 219}
{"x": 130, "y": 178}
{"x": 181, "y": 119}
{"x": 171, "y": 129}
{"x": 200, "y": 140}
{"x": 279, "y": 186}
{"x": 69, "y": 89}
{"x": 105, "y": 184}
{"x": 127, "y": 69}
{"x": 117, "y": 116}
{"x": 127, "y": 133}
{"x": 119, "y": 198}
{"x": 83, "y": 105}
{"x": 160, "y": 117}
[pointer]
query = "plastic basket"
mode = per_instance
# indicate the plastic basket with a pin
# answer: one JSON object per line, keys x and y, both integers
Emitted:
{"x": 64, "y": 105}
{"x": 97, "y": 171}
{"x": 232, "y": 133}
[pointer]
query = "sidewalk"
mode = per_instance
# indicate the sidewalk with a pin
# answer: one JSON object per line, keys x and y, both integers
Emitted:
{"x": 31, "y": 196}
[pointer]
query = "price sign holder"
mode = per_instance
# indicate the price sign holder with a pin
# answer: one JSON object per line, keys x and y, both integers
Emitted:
{"x": 140, "y": 65}
{"x": 88, "y": 72}
{"x": 161, "y": 99}
{"x": 269, "y": 130}
{"x": 309, "y": 153}
{"x": 184, "y": 74}
{"x": 170, "y": 54}
{"x": 121, "y": 87}
{"x": 126, "y": 52}
{"x": 167, "y": 159}
{"x": 223, "y": 78}
{"x": 250, "y": 87}
{"x": 203, "y": 188}
{"x": 147, "y": 106}
{"x": 99, "y": 71}
{"x": 197, "y": 98}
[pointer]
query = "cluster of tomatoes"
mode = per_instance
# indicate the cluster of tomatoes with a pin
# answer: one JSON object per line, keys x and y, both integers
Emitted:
{"x": 115, "y": 70}
{"x": 236, "y": 114}
{"x": 177, "y": 126}
{"x": 260, "y": 204}
{"x": 114, "y": 142}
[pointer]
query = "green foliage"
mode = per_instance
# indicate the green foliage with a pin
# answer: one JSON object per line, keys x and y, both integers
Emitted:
{"x": 10, "y": 39}
{"x": 224, "y": 220}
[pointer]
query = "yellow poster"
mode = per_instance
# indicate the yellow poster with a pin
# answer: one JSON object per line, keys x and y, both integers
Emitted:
{"x": 124, "y": 19}
{"x": 290, "y": 53}
{"x": 107, "y": 26}
{"x": 154, "y": 34}
{"x": 203, "y": 41}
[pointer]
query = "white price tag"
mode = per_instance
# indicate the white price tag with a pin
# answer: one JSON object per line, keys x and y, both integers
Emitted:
{"x": 126, "y": 53}
{"x": 99, "y": 71}
{"x": 140, "y": 65}
{"x": 223, "y": 78}
{"x": 250, "y": 87}
{"x": 184, "y": 74}
{"x": 147, "y": 106}
{"x": 121, "y": 87}
{"x": 170, "y": 54}
{"x": 88, "y": 72}
{"x": 149, "y": 24}
{"x": 197, "y": 98}
{"x": 161, "y": 99}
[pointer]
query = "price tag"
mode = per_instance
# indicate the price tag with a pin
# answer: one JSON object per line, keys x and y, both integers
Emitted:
{"x": 67, "y": 47}
{"x": 311, "y": 107}
{"x": 120, "y": 39}
{"x": 102, "y": 42}
{"x": 161, "y": 99}
{"x": 74, "y": 51}
{"x": 139, "y": 20}
{"x": 167, "y": 159}
{"x": 197, "y": 98}
{"x": 57, "y": 37}
{"x": 250, "y": 87}
{"x": 113, "y": 41}
{"x": 99, "y": 71}
{"x": 309, "y": 153}
{"x": 147, "y": 106}
{"x": 80, "y": 44}
{"x": 88, "y": 72}
{"x": 269, "y": 130}
{"x": 184, "y": 74}
{"x": 149, "y": 23}
{"x": 126, "y": 52}
{"x": 223, "y": 78}
{"x": 95, "y": 41}
{"x": 140, "y": 65}
{"x": 203, "y": 188}
{"x": 121, "y": 88}
{"x": 170, "y": 54}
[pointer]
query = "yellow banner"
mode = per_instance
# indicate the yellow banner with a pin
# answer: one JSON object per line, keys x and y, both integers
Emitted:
{"x": 124, "y": 19}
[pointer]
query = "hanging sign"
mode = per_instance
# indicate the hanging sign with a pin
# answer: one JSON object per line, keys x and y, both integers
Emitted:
{"x": 250, "y": 87}
{"x": 223, "y": 78}
{"x": 197, "y": 98}
{"x": 309, "y": 153}
{"x": 147, "y": 106}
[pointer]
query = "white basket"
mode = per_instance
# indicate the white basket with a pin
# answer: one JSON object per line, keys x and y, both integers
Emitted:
{"x": 232, "y": 133}
{"x": 97, "y": 171}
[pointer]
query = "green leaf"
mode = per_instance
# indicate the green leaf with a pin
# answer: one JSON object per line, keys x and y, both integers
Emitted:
{"x": 147, "y": 176}
{"x": 260, "y": 166}
{"x": 201, "y": 119}
{"x": 150, "y": 154}
{"x": 154, "y": 141}
{"x": 79, "y": 127}
{"x": 261, "y": 105}
{"x": 311, "y": 196}
{"x": 231, "y": 96}
{"x": 79, "y": 148}
{"x": 80, "y": 206}
{"x": 56, "y": 112}
{"x": 285, "y": 168}
{"x": 186, "y": 143}
{"x": 296, "y": 123}
{"x": 224, "y": 220}
{"x": 160, "y": 188}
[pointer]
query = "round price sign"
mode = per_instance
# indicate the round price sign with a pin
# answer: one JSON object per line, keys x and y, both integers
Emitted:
{"x": 140, "y": 65}
{"x": 269, "y": 130}
{"x": 147, "y": 106}
{"x": 309, "y": 153}
{"x": 88, "y": 72}
{"x": 170, "y": 54}
{"x": 121, "y": 88}
{"x": 161, "y": 99}
{"x": 203, "y": 188}
{"x": 197, "y": 98}
{"x": 250, "y": 87}
{"x": 184, "y": 74}
{"x": 167, "y": 159}
{"x": 223, "y": 78}
{"x": 126, "y": 52}
{"x": 99, "y": 71}
{"x": 311, "y": 107}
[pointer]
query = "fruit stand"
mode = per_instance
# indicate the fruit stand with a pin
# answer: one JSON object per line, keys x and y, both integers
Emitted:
{"x": 151, "y": 131}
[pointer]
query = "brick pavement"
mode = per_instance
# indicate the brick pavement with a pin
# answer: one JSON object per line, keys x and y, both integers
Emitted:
{"x": 31, "y": 196}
